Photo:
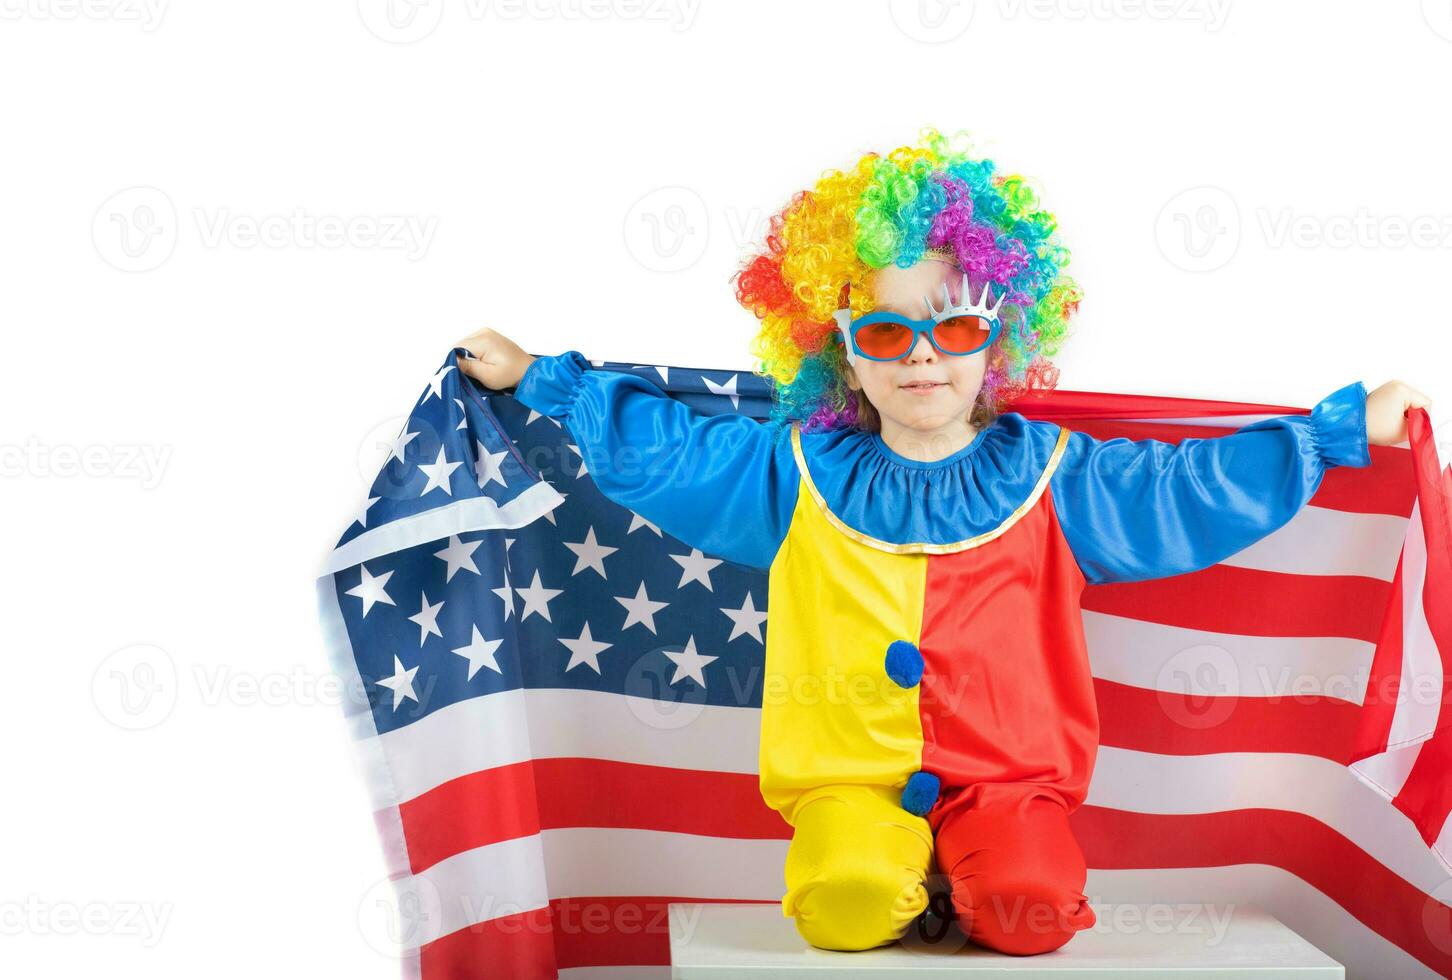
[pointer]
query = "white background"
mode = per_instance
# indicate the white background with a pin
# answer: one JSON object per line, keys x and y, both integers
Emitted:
{"x": 535, "y": 150}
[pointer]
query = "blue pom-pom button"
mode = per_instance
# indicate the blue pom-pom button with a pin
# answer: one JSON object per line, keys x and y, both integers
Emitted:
{"x": 920, "y": 793}
{"x": 904, "y": 663}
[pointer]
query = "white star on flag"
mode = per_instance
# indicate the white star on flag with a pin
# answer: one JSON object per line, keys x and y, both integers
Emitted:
{"x": 729, "y": 388}
{"x": 533, "y": 415}
{"x": 370, "y": 589}
{"x": 436, "y": 383}
{"x": 641, "y": 609}
{"x": 401, "y": 683}
{"x": 583, "y": 472}
{"x": 400, "y": 443}
{"x": 486, "y": 466}
{"x": 480, "y": 653}
{"x": 505, "y": 592}
{"x": 584, "y": 650}
{"x": 427, "y": 619}
{"x": 746, "y": 620}
{"x": 537, "y": 599}
{"x": 696, "y": 567}
{"x": 362, "y": 516}
{"x": 636, "y": 521}
{"x": 438, "y": 473}
{"x": 463, "y": 416}
{"x": 689, "y": 663}
{"x": 459, "y": 554}
{"x": 549, "y": 515}
{"x": 589, "y": 553}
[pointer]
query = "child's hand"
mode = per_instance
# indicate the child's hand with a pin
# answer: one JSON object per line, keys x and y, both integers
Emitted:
{"x": 501, "y": 362}
{"x": 1386, "y": 412}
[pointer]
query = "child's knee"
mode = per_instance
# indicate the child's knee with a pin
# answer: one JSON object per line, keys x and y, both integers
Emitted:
{"x": 857, "y": 905}
{"x": 1020, "y": 917}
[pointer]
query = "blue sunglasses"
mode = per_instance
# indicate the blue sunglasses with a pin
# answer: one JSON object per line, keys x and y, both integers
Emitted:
{"x": 957, "y": 330}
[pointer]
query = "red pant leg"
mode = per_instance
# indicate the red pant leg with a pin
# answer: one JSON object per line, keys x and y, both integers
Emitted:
{"x": 1017, "y": 872}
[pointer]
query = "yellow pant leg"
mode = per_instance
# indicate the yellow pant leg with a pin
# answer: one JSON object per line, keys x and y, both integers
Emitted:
{"x": 856, "y": 866}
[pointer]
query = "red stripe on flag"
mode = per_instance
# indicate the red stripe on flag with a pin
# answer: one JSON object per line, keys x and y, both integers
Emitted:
{"x": 522, "y": 799}
{"x": 519, "y": 946}
{"x": 1426, "y": 796}
{"x": 1380, "y": 899}
{"x": 1171, "y": 723}
{"x": 1384, "y": 683}
{"x": 1250, "y": 602}
{"x": 1433, "y": 486}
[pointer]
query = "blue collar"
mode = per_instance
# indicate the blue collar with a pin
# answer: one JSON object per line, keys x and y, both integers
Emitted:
{"x": 897, "y": 501}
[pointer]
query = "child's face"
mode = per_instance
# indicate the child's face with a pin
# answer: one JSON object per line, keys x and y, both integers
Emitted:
{"x": 886, "y": 382}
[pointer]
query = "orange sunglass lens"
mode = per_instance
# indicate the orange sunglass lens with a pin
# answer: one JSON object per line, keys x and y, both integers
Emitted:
{"x": 884, "y": 339}
{"x": 961, "y": 334}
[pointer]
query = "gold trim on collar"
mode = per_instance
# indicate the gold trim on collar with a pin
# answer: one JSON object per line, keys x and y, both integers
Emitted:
{"x": 923, "y": 547}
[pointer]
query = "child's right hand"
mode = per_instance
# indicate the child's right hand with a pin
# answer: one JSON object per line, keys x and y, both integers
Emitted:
{"x": 500, "y": 363}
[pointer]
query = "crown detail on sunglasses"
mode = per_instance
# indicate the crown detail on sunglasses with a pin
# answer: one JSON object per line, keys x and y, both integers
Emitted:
{"x": 965, "y": 307}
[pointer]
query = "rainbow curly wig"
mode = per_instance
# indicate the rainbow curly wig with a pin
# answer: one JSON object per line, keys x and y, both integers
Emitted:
{"x": 821, "y": 247}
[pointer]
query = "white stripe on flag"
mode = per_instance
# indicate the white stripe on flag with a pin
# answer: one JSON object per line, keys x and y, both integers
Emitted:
{"x": 514, "y": 726}
{"x": 525, "y": 873}
{"x": 1322, "y": 541}
{"x": 589, "y": 724}
{"x": 460, "y": 517}
{"x": 1420, "y": 703}
{"x": 1144, "y": 782}
{"x": 1189, "y": 661}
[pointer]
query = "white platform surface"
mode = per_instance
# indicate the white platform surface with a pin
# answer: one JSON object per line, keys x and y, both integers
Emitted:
{"x": 732, "y": 941}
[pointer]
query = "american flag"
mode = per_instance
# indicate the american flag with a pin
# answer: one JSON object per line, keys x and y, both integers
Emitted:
{"x": 557, "y": 705}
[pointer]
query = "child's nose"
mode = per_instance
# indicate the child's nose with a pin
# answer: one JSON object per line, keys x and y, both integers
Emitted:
{"x": 923, "y": 350}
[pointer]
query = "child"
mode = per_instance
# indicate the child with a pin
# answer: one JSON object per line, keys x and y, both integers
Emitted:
{"x": 927, "y": 697}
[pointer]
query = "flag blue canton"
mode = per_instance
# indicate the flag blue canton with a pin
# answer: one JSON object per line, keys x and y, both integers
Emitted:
{"x": 562, "y": 588}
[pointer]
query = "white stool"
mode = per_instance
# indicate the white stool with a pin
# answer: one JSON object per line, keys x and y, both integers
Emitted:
{"x": 732, "y": 941}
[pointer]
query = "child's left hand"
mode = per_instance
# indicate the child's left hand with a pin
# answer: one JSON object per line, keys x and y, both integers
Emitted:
{"x": 1386, "y": 412}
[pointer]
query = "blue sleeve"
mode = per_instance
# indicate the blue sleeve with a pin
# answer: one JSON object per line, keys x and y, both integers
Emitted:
{"x": 726, "y": 484}
{"x": 1143, "y": 509}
